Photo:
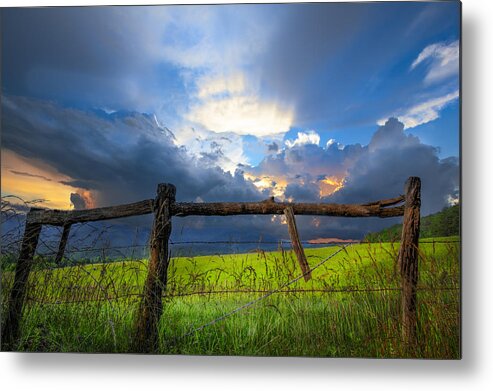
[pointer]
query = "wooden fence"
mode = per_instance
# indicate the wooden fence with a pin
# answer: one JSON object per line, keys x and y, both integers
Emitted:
{"x": 164, "y": 208}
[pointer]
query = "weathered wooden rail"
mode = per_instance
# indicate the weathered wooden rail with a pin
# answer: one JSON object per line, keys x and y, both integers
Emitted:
{"x": 182, "y": 209}
{"x": 164, "y": 208}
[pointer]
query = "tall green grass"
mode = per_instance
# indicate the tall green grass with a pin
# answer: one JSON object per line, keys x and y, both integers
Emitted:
{"x": 350, "y": 308}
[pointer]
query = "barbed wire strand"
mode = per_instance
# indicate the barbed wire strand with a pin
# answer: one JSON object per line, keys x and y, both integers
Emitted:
{"x": 245, "y": 291}
{"x": 255, "y": 301}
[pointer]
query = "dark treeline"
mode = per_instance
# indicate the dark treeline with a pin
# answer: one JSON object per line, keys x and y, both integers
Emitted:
{"x": 443, "y": 223}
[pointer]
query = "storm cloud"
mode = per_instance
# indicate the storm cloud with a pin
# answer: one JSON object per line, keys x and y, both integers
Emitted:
{"x": 391, "y": 157}
{"x": 233, "y": 103}
{"x": 78, "y": 201}
{"x": 119, "y": 157}
{"x": 375, "y": 171}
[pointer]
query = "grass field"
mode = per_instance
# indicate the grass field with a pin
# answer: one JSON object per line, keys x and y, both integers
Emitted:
{"x": 350, "y": 308}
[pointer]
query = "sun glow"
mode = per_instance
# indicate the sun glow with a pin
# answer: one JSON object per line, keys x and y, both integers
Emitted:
{"x": 330, "y": 184}
{"x": 32, "y": 180}
{"x": 230, "y": 103}
{"x": 275, "y": 185}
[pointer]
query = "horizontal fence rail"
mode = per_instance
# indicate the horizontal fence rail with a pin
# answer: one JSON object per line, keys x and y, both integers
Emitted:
{"x": 182, "y": 209}
{"x": 64, "y": 217}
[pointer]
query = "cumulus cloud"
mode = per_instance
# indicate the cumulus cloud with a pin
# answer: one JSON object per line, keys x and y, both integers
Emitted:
{"x": 78, "y": 201}
{"x": 390, "y": 158}
{"x": 274, "y": 147}
{"x": 355, "y": 173}
{"x": 310, "y": 137}
{"x": 225, "y": 150}
{"x": 304, "y": 170}
{"x": 118, "y": 157}
{"x": 359, "y": 174}
{"x": 441, "y": 59}
{"x": 215, "y": 75}
{"x": 306, "y": 192}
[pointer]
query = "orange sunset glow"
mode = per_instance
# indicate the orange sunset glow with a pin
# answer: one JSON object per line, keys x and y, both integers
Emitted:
{"x": 266, "y": 182}
{"x": 330, "y": 185}
{"x": 30, "y": 180}
{"x": 277, "y": 185}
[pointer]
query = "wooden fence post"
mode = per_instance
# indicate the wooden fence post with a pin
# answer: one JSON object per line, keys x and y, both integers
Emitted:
{"x": 296, "y": 242}
{"x": 146, "y": 330}
{"x": 11, "y": 323}
{"x": 408, "y": 259}
{"x": 63, "y": 243}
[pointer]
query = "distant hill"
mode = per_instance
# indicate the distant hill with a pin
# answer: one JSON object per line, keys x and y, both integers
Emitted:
{"x": 444, "y": 223}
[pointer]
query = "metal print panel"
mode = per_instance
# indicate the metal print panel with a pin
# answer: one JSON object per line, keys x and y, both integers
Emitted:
{"x": 261, "y": 180}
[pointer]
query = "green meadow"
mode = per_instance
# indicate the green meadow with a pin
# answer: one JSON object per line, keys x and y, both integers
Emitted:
{"x": 350, "y": 307}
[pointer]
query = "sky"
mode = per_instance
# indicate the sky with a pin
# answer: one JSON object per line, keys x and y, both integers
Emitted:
{"x": 327, "y": 102}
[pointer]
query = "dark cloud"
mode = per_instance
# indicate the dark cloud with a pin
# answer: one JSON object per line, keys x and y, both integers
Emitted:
{"x": 308, "y": 162}
{"x": 307, "y": 192}
{"x": 391, "y": 157}
{"x": 78, "y": 201}
{"x": 372, "y": 172}
{"x": 333, "y": 63}
{"x": 327, "y": 61}
{"x": 119, "y": 158}
{"x": 86, "y": 56}
{"x": 21, "y": 173}
{"x": 274, "y": 147}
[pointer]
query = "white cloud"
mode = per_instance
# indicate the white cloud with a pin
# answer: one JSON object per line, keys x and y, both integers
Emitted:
{"x": 303, "y": 138}
{"x": 224, "y": 150}
{"x": 209, "y": 86}
{"x": 230, "y": 103}
{"x": 196, "y": 37}
{"x": 442, "y": 58}
{"x": 218, "y": 69}
{"x": 330, "y": 142}
{"x": 334, "y": 142}
{"x": 453, "y": 199}
{"x": 424, "y": 112}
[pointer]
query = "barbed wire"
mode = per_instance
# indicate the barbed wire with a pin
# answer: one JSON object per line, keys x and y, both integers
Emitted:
{"x": 348, "y": 289}
{"x": 255, "y": 301}
{"x": 108, "y": 297}
{"x": 53, "y": 251}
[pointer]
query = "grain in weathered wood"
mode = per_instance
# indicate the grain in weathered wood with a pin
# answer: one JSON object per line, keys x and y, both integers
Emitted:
{"x": 11, "y": 322}
{"x": 63, "y": 243}
{"x": 296, "y": 243}
{"x": 69, "y": 217}
{"x": 64, "y": 217}
{"x": 408, "y": 259}
{"x": 150, "y": 310}
{"x": 387, "y": 202}
{"x": 182, "y": 209}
